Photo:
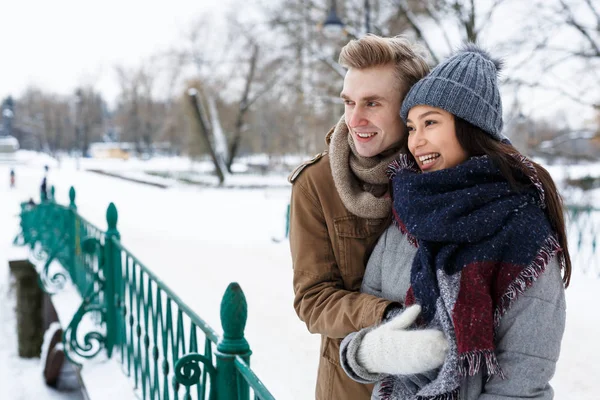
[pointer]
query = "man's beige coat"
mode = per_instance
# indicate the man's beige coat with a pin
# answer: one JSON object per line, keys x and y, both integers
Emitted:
{"x": 330, "y": 248}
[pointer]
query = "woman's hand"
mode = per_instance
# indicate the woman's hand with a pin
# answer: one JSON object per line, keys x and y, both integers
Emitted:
{"x": 393, "y": 349}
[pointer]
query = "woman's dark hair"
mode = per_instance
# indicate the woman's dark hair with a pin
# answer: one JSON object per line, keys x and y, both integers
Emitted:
{"x": 477, "y": 143}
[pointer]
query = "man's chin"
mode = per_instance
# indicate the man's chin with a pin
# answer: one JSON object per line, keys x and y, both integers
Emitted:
{"x": 366, "y": 152}
{"x": 364, "y": 149}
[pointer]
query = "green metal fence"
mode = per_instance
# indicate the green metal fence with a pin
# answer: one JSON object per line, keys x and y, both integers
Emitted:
{"x": 165, "y": 348}
{"x": 583, "y": 227}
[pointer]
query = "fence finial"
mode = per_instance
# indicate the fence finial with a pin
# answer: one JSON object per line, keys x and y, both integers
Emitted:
{"x": 72, "y": 198}
{"x": 112, "y": 216}
{"x": 234, "y": 313}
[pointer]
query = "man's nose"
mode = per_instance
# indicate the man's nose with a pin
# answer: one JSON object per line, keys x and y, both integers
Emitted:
{"x": 357, "y": 117}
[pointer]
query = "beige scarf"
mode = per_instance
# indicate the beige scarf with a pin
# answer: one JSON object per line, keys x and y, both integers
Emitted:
{"x": 360, "y": 181}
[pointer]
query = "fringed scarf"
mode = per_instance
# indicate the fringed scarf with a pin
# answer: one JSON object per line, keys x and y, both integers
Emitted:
{"x": 480, "y": 245}
{"x": 361, "y": 182}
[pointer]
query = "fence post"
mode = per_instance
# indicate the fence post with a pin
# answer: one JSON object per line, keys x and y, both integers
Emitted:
{"x": 30, "y": 297}
{"x": 75, "y": 241}
{"x": 112, "y": 280}
{"x": 72, "y": 205}
{"x": 234, "y": 313}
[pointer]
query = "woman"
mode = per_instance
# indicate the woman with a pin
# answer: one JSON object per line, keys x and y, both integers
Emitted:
{"x": 474, "y": 258}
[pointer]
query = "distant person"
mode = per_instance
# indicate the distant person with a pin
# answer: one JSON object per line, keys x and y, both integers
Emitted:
{"x": 44, "y": 185}
{"x": 12, "y": 177}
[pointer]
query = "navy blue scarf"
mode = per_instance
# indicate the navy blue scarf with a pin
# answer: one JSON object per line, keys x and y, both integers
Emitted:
{"x": 467, "y": 220}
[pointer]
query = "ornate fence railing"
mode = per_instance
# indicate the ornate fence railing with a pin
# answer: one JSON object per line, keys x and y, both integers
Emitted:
{"x": 583, "y": 228}
{"x": 166, "y": 349}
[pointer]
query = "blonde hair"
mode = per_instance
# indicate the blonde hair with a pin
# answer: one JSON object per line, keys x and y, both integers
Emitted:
{"x": 409, "y": 59}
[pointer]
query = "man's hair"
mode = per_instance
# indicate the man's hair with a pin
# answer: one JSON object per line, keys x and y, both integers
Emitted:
{"x": 408, "y": 58}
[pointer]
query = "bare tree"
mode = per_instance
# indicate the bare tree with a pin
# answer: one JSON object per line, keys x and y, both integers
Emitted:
{"x": 261, "y": 73}
{"x": 57, "y": 123}
{"x": 91, "y": 117}
{"x": 565, "y": 52}
{"x": 44, "y": 122}
{"x": 29, "y": 119}
{"x": 233, "y": 71}
{"x": 467, "y": 17}
{"x": 140, "y": 116}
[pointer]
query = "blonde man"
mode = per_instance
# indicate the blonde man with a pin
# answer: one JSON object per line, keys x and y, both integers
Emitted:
{"x": 340, "y": 203}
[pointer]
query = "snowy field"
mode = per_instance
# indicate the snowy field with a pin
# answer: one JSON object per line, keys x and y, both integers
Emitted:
{"x": 197, "y": 240}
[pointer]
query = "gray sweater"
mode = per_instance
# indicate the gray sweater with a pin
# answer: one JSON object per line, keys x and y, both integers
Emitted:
{"x": 527, "y": 339}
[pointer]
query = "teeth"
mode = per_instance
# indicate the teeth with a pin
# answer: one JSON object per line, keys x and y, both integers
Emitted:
{"x": 365, "y": 135}
{"x": 429, "y": 158}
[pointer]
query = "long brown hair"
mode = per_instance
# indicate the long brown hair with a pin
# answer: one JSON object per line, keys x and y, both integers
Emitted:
{"x": 505, "y": 156}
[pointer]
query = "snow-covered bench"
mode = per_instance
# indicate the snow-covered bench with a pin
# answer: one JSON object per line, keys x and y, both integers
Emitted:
{"x": 100, "y": 377}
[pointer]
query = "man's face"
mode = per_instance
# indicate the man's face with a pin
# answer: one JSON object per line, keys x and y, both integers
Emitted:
{"x": 372, "y": 109}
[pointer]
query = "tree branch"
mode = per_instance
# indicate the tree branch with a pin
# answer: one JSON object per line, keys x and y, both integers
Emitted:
{"x": 595, "y": 12}
{"x": 337, "y": 68}
{"x": 437, "y": 20}
{"x": 243, "y": 107}
{"x": 485, "y": 20}
{"x": 471, "y": 31}
{"x": 412, "y": 20}
{"x": 570, "y": 20}
{"x": 577, "y": 99}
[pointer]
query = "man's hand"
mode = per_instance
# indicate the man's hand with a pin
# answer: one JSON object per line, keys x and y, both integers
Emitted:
{"x": 393, "y": 349}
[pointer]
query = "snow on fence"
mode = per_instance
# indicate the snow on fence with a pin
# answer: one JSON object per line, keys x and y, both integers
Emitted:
{"x": 164, "y": 347}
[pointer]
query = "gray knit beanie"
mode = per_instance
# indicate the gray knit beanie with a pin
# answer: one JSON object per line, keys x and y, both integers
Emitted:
{"x": 465, "y": 85}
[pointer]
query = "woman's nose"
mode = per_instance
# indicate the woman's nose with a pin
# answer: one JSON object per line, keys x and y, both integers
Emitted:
{"x": 415, "y": 140}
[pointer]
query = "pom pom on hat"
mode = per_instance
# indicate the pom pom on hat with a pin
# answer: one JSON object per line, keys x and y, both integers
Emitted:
{"x": 473, "y": 48}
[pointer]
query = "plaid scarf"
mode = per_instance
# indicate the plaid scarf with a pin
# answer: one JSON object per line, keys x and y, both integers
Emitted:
{"x": 480, "y": 244}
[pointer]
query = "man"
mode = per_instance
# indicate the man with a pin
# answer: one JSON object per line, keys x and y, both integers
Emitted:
{"x": 340, "y": 203}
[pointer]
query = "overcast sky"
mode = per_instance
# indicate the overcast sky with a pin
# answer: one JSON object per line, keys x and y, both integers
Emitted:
{"x": 59, "y": 44}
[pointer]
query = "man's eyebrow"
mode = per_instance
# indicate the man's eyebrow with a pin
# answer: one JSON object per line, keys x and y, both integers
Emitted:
{"x": 373, "y": 97}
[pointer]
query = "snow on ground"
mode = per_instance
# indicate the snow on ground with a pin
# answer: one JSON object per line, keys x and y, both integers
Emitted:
{"x": 21, "y": 379}
{"x": 197, "y": 240}
{"x": 561, "y": 172}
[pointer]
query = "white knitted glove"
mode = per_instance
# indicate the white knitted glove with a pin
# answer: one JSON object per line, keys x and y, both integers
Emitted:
{"x": 392, "y": 349}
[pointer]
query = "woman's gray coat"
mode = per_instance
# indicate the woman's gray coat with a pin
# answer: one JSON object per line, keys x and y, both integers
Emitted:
{"x": 527, "y": 339}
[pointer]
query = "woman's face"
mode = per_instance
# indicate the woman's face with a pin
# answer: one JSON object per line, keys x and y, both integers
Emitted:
{"x": 432, "y": 139}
